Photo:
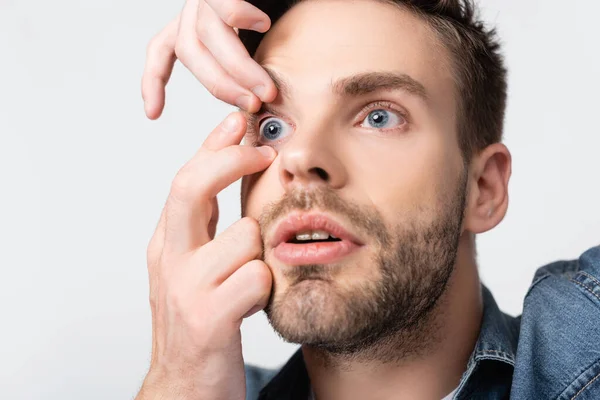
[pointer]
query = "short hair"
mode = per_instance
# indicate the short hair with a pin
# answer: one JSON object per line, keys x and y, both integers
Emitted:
{"x": 478, "y": 65}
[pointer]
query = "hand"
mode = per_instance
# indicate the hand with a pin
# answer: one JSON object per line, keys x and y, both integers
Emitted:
{"x": 202, "y": 286}
{"x": 204, "y": 38}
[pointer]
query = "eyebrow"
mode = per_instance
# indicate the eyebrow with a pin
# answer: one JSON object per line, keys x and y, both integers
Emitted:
{"x": 360, "y": 84}
{"x": 352, "y": 86}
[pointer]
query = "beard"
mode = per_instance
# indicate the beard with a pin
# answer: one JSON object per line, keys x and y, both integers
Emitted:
{"x": 386, "y": 312}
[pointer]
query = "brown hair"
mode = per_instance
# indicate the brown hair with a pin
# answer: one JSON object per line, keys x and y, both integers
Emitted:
{"x": 478, "y": 64}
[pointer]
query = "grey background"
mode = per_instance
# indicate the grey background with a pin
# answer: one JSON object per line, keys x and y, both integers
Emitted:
{"x": 84, "y": 176}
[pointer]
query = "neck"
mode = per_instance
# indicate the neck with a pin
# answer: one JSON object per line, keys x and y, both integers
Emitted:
{"x": 416, "y": 366}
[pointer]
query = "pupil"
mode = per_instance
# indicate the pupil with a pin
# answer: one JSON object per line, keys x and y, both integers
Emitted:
{"x": 378, "y": 118}
{"x": 271, "y": 130}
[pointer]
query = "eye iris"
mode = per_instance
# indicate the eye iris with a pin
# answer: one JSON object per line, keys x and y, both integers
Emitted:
{"x": 271, "y": 129}
{"x": 378, "y": 118}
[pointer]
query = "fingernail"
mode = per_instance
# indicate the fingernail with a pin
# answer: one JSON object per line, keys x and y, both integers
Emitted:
{"x": 230, "y": 125}
{"x": 243, "y": 102}
{"x": 259, "y": 26}
{"x": 259, "y": 91}
{"x": 267, "y": 151}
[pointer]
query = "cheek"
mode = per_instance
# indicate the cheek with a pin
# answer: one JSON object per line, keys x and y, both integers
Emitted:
{"x": 404, "y": 175}
{"x": 249, "y": 195}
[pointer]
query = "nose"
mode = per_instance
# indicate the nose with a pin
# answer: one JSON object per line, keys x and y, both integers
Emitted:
{"x": 311, "y": 158}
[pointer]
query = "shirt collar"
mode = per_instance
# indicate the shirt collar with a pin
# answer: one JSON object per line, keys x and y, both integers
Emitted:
{"x": 499, "y": 333}
{"x": 497, "y": 341}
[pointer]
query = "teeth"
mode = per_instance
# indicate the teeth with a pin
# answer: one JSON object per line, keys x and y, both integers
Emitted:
{"x": 313, "y": 235}
{"x": 303, "y": 236}
{"x": 320, "y": 235}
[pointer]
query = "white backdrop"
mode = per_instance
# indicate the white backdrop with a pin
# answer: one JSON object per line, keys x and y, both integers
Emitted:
{"x": 84, "y": 175}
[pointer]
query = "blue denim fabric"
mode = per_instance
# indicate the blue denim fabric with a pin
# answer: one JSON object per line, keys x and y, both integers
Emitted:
{"x": 551, "y": 351}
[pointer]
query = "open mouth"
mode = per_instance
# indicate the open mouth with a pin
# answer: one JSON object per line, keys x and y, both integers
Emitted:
{"x": 313, "y": 247}
{"x": 311, "y": 239}
{"x": 296, "y": 241}
{"x": 316, "y": 236}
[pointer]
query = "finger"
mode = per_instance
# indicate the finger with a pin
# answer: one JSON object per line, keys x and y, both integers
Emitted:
{"x": 239, "y": 243}
{"x": 196, "y": 57}
{"x": 155, "y": 249}
{"x": 154, "y": 252}
{"x": 156, "y": 243}
{"x": 160, "y": 58}
{"x": 229, "y": 132}
{"x": 153, "y": 255}
{"x": 201, "y": 179}
{"x": 240, "y": 14}
{"x": 214, "y": 218}
{"x": 247, "y": 289}
{"x": 227, "y": 49}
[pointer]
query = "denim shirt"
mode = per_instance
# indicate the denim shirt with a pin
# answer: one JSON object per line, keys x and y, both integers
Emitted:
{"x": 551, "y": 351}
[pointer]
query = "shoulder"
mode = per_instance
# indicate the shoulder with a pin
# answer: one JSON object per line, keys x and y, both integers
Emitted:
{"x": 256, "y": 379}
{"x": 565, "y": 281}
{"x": 586, "y": 264}
{"x": 558, "y": 354}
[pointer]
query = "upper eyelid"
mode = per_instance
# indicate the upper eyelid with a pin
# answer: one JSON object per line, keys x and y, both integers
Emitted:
{"x": 260, "y": 116}
{"x": 266, "y": 108}
{"x": 270, "y": 112}
{"x": 375, "y": 105}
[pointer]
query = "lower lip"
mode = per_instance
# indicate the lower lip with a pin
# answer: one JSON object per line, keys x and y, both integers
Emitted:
{"x": 314, "y": 253}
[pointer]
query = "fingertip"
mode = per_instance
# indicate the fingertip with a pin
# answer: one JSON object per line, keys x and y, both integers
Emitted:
{"x": 265, "y": 18}
{"x": 151, "y": 110}
{"x": 261, "y": 26}
{"x": 270, "y": 92}
{"x": 156, "y": 115}
{"x": 267, "y": 151}
{"x": 148, "y": 109}
{"x": 155, "y": 104}
{"x": 231, "y": 124}
{"x": 253, "y": 105}
{"x": 239, "y": 116}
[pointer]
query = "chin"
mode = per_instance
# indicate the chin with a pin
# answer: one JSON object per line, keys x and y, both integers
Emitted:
{"x": 312, "y": 311}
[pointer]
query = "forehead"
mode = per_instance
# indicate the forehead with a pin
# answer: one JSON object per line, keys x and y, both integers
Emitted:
{"x": 319, "y": 41}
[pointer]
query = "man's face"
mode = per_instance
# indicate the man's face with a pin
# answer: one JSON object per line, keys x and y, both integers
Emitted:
{"x": 365, "y": 133}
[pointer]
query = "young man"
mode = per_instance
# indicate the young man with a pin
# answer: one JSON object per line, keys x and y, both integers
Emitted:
{"x": 358, "y": 231}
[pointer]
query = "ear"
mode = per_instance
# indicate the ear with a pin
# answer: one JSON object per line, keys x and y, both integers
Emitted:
{"x": 488, "y": 191}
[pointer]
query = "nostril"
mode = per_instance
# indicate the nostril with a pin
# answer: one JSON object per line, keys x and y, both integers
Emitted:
{"x": 321, "y": 172}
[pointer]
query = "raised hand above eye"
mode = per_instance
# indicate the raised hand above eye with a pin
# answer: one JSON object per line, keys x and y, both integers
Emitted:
{"x": 204, "y": 38}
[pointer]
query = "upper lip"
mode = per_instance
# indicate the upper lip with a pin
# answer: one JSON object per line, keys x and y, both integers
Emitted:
{"x": 297, "y": 222}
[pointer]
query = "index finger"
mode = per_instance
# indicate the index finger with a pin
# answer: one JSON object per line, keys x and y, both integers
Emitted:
{"x": 240, "y": 14}
{"x": 160, "y": 59}
{"x": 188, "y": 207}
{"x": 228, "y": 133}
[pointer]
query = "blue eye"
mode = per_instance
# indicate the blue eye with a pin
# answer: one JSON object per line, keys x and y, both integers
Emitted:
{"x": 273, "y": 129}
{"x": 380, "y": 118}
